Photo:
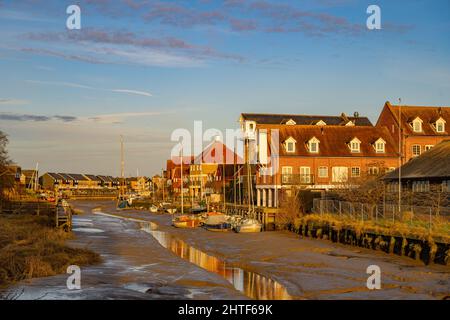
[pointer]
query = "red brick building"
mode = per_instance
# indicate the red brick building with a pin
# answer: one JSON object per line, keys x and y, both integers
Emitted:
{"x": 421, "y": 127}
{"x": 315, "y": 152}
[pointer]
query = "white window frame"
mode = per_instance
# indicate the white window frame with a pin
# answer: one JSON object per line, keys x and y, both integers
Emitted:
{"x": 442, "y": 122}
{"x": 428, "y": 147}
{"x": 380, "y": 143}
{"x": 319, "y": 173}
{"x": 355, "y": 142}
{"x": 305, "y": 177}
{"x": 287, "y": 142}
{"x": 353, "y": 175}
{"x": 417, "y": 122}
{"x": 413, "y": 147}
{"x": 373, "y": 171}
{"x": 311, "y": 142}
{"x": 286, "y": 170}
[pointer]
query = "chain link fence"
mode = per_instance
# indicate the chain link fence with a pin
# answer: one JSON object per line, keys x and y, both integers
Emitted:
{"x": 429, "y": 217}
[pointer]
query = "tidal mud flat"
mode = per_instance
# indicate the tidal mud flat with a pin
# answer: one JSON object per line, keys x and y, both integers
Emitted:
{"x": 137, "y": 265}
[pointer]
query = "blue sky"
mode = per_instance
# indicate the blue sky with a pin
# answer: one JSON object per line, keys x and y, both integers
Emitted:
{"x": 143, "y": 68}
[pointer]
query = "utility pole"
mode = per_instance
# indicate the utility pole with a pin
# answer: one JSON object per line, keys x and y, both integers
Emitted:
{"x": 182, "y": 182}
{"x": 122, "y": 168}
{"x": 399, "y": 156}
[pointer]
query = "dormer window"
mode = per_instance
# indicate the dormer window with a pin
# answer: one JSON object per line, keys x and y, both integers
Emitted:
{"x": 321, "y": 123}
{"x": 440, "y": 125}
{"x": 417, "y": 125}
{"x": 291, "y": 122}
{"x": 355, "y": 145}
{"x": 289, "y": 144}
{"x": 313, "y": 145}
{"x": 380, "y": 146}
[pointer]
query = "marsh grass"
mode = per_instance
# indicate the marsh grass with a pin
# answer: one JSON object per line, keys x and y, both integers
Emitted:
{"x": 416, "y": 229}
{"x": 31, "y": 247}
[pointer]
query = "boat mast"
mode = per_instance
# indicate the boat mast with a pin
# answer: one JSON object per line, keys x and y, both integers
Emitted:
{"x": 122, "y": 168}
{"x": 182, "y": 182}
{"x": 223, "y": 179}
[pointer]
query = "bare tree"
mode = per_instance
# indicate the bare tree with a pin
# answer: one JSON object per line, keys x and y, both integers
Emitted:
{"x": 6, "y": 180}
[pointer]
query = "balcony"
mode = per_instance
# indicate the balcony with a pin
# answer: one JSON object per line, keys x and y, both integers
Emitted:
{"x": 297, "y": 179}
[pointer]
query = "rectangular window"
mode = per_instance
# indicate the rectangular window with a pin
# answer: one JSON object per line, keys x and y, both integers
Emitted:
{"x": 440, "y": 127}
{"x": 313, "y": 147}
{"x": 354, "y": 147}
{"x": 417, "y": 126}
{"x": 286, "y": 173}
{"x": 290, "y": 147}
{"x": 373, "y": 171}
{"x": 305, "y": 174}
{"x": 379, "y": 147}
{"x": 428, "y": 147}
{"x": 356, "y": 172}
{"x": 323, "y": 172}
{"x": 339, "y": 174}
{"x": 416, "y": 150}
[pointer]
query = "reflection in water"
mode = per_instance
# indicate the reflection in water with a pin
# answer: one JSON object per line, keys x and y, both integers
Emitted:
{"x": 251, "y": 284}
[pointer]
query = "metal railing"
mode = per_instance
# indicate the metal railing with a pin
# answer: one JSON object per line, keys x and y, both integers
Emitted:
{"x": 297, "y": 179}
{"x": 415, "y": 215}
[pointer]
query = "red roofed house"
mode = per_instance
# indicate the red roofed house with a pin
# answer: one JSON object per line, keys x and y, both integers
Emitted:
{"x": 421, "y": 127}
{"x": 321, "y": 153}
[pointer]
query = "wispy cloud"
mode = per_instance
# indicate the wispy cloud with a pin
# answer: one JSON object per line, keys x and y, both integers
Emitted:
{"x": 23, "y": 117}
{"x": 119, "y": 117}
{"x": 113, "y": 118}
{"x": 82, "y": 86}
{"x": 7, "y": 101}
{"x": 161, "y": 50}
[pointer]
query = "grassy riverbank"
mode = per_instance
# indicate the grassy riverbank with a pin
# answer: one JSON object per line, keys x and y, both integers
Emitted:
{"x": 417, "y": 230}
{"x": 30, "y": 247}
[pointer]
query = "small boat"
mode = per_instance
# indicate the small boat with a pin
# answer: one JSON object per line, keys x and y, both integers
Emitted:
{"x": 217, "y": 222}
{"x": 193, "y": 219}
{"x": 186, "y": 221}
{"x": 248, "y": 225}
{"x": 171, "y": 210}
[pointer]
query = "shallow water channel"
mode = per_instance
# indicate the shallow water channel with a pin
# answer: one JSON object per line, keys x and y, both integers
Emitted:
{"x": 251, "y": 284}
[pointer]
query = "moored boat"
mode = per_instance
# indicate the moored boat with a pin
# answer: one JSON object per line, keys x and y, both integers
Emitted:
{"x": 248, "y": 225}
{"x": 217, "y": 222}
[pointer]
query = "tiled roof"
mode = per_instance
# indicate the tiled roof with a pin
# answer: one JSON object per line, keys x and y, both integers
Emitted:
{"x": 300, "y": 119}
{"x": 55, "y": 176}
{"x": 334, "y": 140}
{"x": 93, "y": 177}
{"x": 214, "y": 153}
{"x": 65, "y": 176}
{"x": 428, "y": 115}
{"x": 425, "y": 165}
{"x": 77, "y": 176}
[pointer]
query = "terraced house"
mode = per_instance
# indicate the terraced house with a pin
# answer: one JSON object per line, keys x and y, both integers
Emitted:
{"x": 421, "y": 127}
{"x": 315, "y": 152}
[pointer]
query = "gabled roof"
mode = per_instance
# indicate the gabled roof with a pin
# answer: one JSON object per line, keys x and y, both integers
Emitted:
{"x": 334, "y": 140}
{"x": 217, "y": 152}
{"x": 428, "y": 115}
{"x": 77, "y": 176}
{"x": 105, "y": 178}
{"x": 263, "y": 118}
{"x": 65, "y": 176}
{"x": 434, "y": 163}
{"x": 93, "y": 177}
{"x": 55, "y": 176}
